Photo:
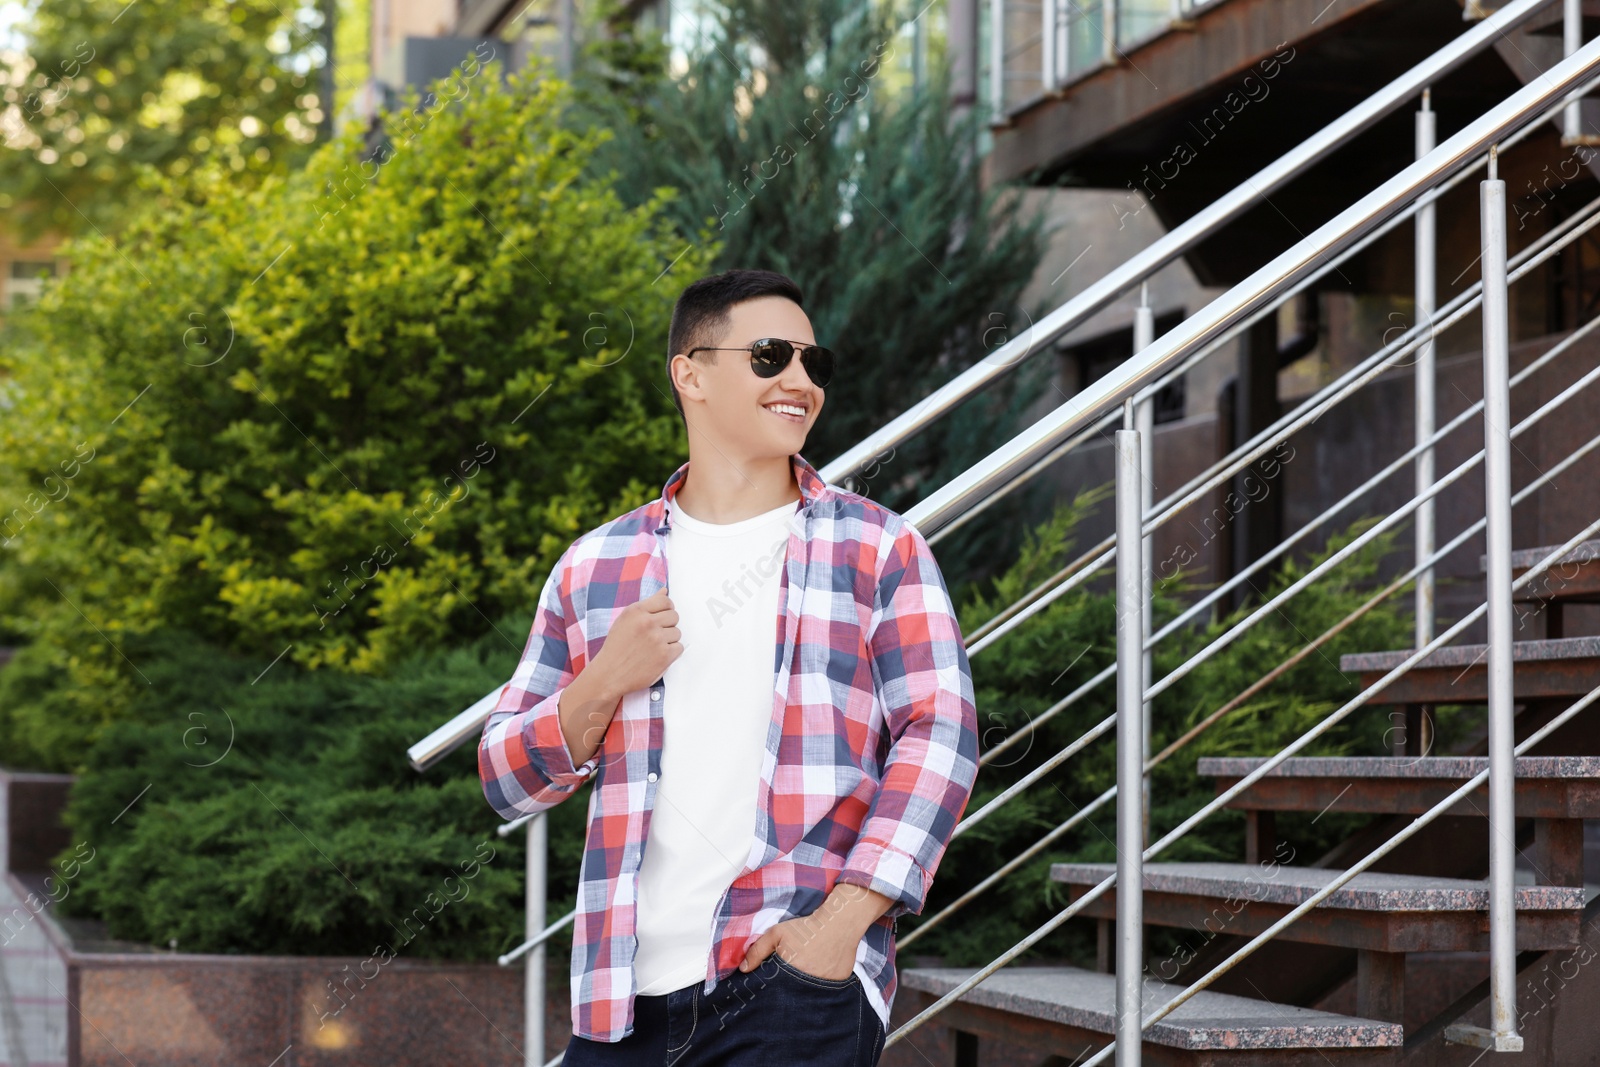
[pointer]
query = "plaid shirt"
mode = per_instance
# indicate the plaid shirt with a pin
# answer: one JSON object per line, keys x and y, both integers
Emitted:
{"x": 870, "y": 757}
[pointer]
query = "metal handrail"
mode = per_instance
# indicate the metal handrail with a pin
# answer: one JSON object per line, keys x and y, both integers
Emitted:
{"x": 1309, "y": 410}
{"x": 1272, "y": 604}
{"x": 1239, "y": 328}
{"x": 1223, "y": 798}
{"x": 1465, "y": 790}
{"x": 1179, "y": 241}
{"x": 1254, "y": 292}
{"x": 1384, "y": 849}
{"x": 538, "y": 939}
{"x": 1537, "y": 252}
{"x": 1261, "y": 683}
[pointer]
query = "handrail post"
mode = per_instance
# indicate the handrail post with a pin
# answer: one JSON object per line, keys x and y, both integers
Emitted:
{"x": 1426, "y": 404}
{"x": 1497, "y": 504}
{"x": 1108, "y": 27}
{"x": 1049, "y": 19}
{"x": 997, "y": 58}
{"x": 1571, "y": 41}
{"x": 533, "y": 962}
{"x": 1130, "y": 747}
{"x": 1144, "y": 332}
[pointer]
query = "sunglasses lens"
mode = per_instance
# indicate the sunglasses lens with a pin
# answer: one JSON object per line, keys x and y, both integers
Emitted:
{"x": 819, "y": 364}
{"x": 769, "y": 356}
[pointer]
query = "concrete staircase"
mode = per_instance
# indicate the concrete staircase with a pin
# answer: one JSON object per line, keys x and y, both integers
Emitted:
{"x": 1376, "y": 971}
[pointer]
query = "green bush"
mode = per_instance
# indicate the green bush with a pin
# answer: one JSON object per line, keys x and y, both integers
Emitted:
{"x": 345, "y": 416}
{"x": 281, "y": 815}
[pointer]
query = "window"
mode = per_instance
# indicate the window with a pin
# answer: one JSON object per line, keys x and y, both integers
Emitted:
{"x": 1088, "y": 361}
{"x": 26, "y": 280}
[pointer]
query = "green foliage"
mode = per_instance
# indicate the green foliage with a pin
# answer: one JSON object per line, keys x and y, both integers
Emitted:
{"x": 348, "y": 415}
{"x": 281, "y": 816}
{"x": 1025, "y": 673}
{"x": 109, "y": 94}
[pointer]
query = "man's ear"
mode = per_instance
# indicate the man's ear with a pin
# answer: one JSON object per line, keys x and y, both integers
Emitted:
{"x": 692, "y": 365}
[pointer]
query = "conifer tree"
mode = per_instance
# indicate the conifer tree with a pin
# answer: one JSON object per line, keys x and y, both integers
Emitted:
{"x": 797, "y": 138}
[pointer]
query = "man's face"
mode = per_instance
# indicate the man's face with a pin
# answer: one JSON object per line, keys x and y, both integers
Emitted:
{"x": 741, "y": 407}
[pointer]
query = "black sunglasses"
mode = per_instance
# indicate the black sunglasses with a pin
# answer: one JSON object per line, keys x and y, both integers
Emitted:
{"x": 769, "y": 355}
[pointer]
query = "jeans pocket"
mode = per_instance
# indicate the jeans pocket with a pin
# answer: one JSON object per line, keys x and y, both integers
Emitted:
{"x": 805, "y": 976}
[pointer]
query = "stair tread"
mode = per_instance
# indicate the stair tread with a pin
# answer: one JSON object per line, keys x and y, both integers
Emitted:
{"x": 1447, "y": 767}
{"x": 1367, "y": 891}
{"x": 1522, "y": 559}
{"x": 1562, "y": 648}
{"x": 1087, "y": 1000}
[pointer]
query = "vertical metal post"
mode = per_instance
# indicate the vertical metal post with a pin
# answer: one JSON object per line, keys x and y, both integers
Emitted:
{"x": 919, "y": 53}
{"x": 1144, "y": 332}
{"x": 962, "y": 38}
{"x": 1049, "y": 19}
{"x": 1130, "y": 746}
{"x": 566, "y": 19}
{"x": 1108, "y": 17}
{"x": 533, "y": 962}
{"x": 1571, "y": 41}
{"x": 1497, "y": 505}
{"x": 1426, "y": 405}
{"x": 997, "y": 58}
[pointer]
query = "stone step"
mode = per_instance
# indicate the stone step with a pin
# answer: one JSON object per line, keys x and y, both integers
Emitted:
{"x": 1458, "y": 674}
{"x": 1547, "y": 787}
{"x": 1574, "y": 578}
{"x": 1071, "y": 1012}
{"x": 1379, "y": 912}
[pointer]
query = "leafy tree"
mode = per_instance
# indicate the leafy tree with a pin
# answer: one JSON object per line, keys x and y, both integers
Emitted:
{"x": 350, "y": 414}
{"x": 110, "y": 94}
{"x": 796, "y": 138}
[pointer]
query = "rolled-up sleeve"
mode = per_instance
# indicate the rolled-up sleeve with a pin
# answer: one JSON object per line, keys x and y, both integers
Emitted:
{"x": 523, "y": 758}
{"x": 924, "y": 683}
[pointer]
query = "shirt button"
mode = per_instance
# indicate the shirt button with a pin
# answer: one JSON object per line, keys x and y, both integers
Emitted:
{"x": 655, "y": 694}
{"x": 652, "y": 776}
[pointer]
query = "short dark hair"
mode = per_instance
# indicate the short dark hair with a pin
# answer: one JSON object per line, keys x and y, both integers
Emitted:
{"x": 701, "y": 313}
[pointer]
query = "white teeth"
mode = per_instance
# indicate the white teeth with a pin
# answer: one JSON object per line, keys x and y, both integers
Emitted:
{"x": 787, "y": 409}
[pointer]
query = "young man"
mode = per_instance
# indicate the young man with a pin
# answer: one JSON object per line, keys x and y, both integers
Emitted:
{"x": 781, "y": 747}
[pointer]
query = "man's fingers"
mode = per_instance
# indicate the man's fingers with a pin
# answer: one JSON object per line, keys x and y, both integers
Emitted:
{"x": 756, "y": 952}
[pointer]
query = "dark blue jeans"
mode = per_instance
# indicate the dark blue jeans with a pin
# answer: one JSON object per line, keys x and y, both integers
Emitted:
{"x": 775, "y": 1014}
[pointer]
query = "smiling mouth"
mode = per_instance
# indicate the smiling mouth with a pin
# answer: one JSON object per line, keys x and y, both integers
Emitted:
{"x": 787, "y": 416}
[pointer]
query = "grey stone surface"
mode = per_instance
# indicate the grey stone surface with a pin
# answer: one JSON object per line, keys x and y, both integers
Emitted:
{"x": 1208, "y": 1020}
{"x": 1458, "y": 768}
{"x": 1367, "y": 891}
{"x": 1566, "y": 648}
{"x": 1527, "y": 557}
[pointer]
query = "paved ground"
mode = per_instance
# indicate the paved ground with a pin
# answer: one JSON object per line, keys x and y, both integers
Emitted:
{"x": 33, "y": 989}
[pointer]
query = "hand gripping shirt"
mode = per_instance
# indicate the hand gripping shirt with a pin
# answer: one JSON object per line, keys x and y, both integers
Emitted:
{"x": 870, "y": 755}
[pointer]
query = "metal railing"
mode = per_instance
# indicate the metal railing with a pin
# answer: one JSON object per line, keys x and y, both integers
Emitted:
{"x": 1182, "y": 239}
{"x": 1259, "y": 290}
{"x": 1127, "y": 393}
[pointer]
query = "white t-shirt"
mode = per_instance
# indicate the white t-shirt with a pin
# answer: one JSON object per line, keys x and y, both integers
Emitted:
{"x": 723, "y": 580}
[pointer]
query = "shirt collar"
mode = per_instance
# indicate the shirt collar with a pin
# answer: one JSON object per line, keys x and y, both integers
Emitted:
{"x": 812, "y": 487}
